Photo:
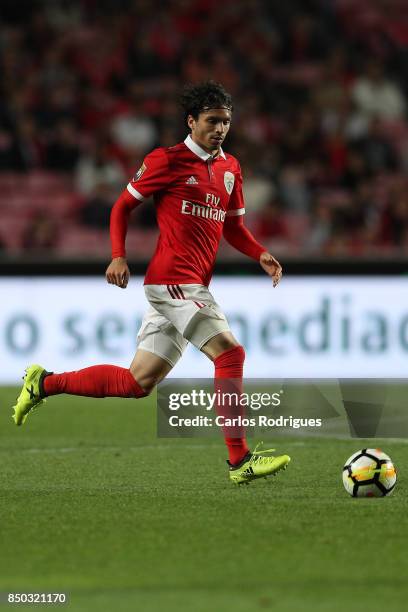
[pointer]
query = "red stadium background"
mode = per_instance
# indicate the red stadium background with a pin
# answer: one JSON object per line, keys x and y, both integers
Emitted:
{"x": 320, "y": 123}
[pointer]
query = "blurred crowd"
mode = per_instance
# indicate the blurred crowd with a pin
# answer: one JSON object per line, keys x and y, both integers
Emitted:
{"x": 320, "y": 87}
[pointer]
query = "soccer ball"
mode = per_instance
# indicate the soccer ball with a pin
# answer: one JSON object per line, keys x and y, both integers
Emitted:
{"x": 369, "y": 473}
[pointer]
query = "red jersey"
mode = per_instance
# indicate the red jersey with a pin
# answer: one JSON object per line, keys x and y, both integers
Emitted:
{"x": 193, "y": 194}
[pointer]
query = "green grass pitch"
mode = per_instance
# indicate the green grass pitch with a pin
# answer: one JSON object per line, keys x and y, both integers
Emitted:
{"x": 92, "y": 503}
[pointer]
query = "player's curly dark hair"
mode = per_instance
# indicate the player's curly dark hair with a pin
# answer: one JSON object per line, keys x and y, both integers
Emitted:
{"x": 195, "y": 99}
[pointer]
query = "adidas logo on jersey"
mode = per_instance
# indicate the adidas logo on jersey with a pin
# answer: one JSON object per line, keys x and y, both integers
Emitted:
{"x": 192, "y": 181}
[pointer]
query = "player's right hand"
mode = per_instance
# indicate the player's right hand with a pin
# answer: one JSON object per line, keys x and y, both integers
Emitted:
{"x": 118, "y": 273}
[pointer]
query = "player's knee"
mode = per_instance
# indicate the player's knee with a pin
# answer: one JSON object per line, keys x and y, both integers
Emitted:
{"x": 147, "y": 381}
{"x": 221, "y": 343}
{"x": 148, "y": 388}
{"x": 148, "y": 384}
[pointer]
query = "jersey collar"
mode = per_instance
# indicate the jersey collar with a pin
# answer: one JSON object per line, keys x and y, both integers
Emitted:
{"x": 197, "y": 150}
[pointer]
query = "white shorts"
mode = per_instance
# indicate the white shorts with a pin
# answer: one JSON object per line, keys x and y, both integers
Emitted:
{"x": 179, "y": 314}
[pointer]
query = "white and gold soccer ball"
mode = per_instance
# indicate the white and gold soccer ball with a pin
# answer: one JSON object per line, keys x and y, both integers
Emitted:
{"x": 369, "y": 473}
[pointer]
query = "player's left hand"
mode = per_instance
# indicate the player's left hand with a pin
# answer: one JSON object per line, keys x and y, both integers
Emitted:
{"x": 271, "y": 266}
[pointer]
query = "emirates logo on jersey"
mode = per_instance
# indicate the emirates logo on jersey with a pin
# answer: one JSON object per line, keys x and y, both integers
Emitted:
{"x": 205, "y": 212}
{"x": 229, "y": 180}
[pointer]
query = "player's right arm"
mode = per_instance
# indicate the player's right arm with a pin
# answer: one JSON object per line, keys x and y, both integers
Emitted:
{"x": 152, "y": 176}
{"x": 118, "y": 272}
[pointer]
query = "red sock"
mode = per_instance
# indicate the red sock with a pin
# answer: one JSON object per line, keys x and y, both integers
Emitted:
{"x": 228, "y": 378}
{"x": 96, "y": 381}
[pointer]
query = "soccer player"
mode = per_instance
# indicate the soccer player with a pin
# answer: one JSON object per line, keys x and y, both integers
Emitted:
{"x": 197, "y": 190}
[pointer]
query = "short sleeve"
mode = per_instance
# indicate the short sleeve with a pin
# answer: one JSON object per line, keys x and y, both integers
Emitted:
{"x": 152, "y": 176}
{"x": 236, "y": 204}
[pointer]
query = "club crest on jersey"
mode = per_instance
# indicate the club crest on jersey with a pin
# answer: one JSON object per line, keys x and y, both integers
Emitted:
{"x": 139, "y": 172}
{"x": 229, "y": 180}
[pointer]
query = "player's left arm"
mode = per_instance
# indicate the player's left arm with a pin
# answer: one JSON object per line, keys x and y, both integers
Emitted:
{"x": 241, "y": 238}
